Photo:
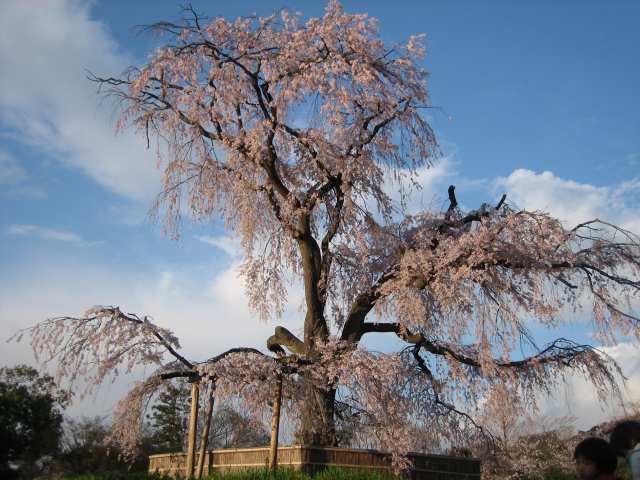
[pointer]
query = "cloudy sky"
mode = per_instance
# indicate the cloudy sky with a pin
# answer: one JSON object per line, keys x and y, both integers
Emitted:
{"x": 539, "y": 100}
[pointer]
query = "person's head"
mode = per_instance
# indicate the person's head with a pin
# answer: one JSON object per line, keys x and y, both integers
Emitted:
{"x": 594, "y": 457}
{"x": 625, "y": 436}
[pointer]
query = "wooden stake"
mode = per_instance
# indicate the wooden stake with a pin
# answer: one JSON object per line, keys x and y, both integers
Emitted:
{"x": 204, "y": 436}
{"x": 193, "y": 427}
{"x": 275, "y": 427}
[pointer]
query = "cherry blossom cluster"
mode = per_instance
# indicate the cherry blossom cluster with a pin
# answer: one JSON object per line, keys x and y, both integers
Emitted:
{"x": 227, "y": 97}
{"x": 128, "y": 416}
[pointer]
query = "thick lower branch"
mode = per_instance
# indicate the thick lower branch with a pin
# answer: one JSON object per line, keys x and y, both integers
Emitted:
{"x": 363, "y": 304}
{"x": 560, "y": 351}
{"x": 284, "y": 338}
{"x": 194, "y": 375}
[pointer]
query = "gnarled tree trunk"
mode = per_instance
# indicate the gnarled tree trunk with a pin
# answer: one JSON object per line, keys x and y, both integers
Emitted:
{"x": 317, "y": 425}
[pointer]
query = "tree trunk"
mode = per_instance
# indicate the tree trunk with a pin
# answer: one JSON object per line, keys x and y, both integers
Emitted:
{"x": 204, "y": 438}
{"x": 318, "y": 422}
{"x": 275, "y": 427}
{"x": 193, "y": 427}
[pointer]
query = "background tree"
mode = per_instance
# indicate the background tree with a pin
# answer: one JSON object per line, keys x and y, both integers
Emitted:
{"x": 231, "y": 429}
{"x": 526, "y": 444}
{"x": 169, "y": 416}
{"x": 31, "y": 408}
{"x": 83, "y": 449}
{"x": 296, "y": 134}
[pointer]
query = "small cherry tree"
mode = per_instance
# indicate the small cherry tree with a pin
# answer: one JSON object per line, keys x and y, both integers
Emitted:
{"x": 311, "y": 199}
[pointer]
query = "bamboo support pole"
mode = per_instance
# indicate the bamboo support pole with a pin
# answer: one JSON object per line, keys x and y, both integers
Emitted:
{"x": 193, "y": 427}
{"x": 204, "y": 436}
{"x": 275, "y": 427}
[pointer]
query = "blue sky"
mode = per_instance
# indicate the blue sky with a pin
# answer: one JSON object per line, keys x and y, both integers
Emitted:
{"x": 539, "y": 100}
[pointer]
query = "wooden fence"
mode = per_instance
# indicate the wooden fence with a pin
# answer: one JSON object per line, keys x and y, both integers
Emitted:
{"x": 313, "y": 459}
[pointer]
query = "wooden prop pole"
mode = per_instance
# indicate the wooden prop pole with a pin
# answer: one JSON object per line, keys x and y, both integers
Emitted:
{"x": 204, "y": 436}
{"x": 193, "y": 427}
{"x": 275, "y": 427}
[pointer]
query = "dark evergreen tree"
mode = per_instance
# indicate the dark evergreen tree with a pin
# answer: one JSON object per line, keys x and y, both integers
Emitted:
{"x": 169, "y": 417}
{"x": 230, "y": 428}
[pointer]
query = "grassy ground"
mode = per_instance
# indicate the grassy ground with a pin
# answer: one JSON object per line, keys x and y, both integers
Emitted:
{"x": 283, "y": 474}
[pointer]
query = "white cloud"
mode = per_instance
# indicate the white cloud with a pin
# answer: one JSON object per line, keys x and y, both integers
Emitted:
{"x": 207, "y": 311}
{"x": 226, "y": 243}
{"x": 14, "y": 179}
{"x": 431, "y": 183}
{"x": 574, "y": 202}
{"x": 43, "y": 232}
{"x": 10, "y": 170}
{"x": 228, "y": 288}
{"x": 578, "y": 397}
{"x": 47, "y": 102}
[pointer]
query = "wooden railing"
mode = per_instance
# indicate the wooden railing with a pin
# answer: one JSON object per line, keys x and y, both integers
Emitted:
{"x": 313, "y": 459}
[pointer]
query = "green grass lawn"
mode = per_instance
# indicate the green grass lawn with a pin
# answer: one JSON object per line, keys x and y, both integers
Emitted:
{"x": 283, "y": 474}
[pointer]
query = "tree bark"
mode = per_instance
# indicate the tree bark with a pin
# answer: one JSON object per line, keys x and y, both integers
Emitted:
{"x": 318, "y": 418}
{"x": 193, "y": 427}
{"x": 204, "y": 438}
{"x": 275, "y": 427}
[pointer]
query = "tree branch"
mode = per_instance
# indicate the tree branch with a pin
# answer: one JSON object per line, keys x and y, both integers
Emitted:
{"x": 422, "y": 366}
{"x": 115, "y": 312}
{"x": 284, "y": 337}
{"x": 360, "y": 308}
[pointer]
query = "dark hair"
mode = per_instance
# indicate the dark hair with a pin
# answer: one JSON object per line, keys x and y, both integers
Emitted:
{"x": 624, "y": 436}
{"x": 599, "y": 452}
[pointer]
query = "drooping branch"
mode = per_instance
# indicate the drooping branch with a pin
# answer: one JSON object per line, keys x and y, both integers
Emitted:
{"x": 439, "y": 403}
{"x": 128, "y": 415}
{"x": 159, "y": 333}
{"x": 505, "y": 259}
{"x": 561, "y": 352}
{"x": 95, "y": 345}
{"x": 446, "y": 227}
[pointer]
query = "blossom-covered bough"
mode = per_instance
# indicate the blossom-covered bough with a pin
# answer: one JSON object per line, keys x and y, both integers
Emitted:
{"x": 294, "y": 133}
